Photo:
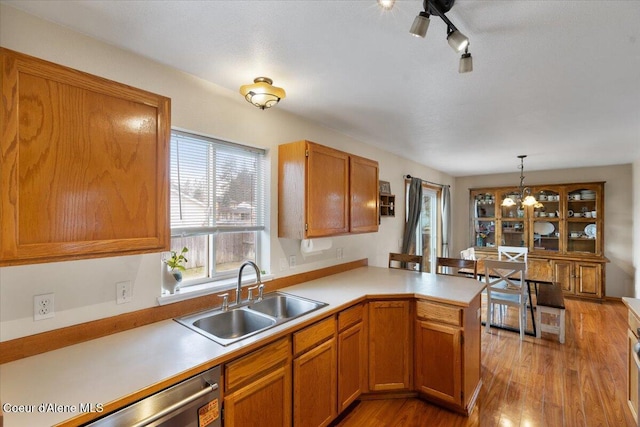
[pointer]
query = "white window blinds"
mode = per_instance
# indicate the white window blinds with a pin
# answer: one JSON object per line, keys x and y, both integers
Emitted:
{"x": 216, "y": 186}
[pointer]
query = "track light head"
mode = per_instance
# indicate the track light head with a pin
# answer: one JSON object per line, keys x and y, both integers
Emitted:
{"x": 420, "y": 25}
{"x": 457, "y": 41}
{"x": 466, "y": 63}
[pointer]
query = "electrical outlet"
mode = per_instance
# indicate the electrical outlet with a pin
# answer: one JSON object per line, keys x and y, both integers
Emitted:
{"x": 123, "y": 292}
{"x": 292, "y": 261}
{"x": 339, "y": 253}
{"x": 283, "y": 264}
{"x": 43, "y": 307}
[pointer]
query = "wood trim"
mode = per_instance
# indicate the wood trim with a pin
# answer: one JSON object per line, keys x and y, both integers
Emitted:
{"x": 51, "y": 340}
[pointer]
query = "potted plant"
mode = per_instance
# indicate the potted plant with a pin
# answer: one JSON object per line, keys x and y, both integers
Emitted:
{"x": 172, "y": 274}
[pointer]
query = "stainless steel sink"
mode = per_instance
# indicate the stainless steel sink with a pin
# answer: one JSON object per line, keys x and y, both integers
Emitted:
{"x": 227, "y": 327}
{"x": 233, "y": 324}
{"x": 283, "y": 306}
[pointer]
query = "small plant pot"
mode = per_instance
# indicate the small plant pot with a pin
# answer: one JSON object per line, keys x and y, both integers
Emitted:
{"x": 171, "y": 279}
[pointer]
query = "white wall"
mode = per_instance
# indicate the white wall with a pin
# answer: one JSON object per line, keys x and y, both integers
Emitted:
{"x": 85, "y": 290}
{"x": 619, "y": 214}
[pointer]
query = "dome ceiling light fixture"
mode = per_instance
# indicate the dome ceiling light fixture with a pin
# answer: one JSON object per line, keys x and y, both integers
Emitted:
{"x": 458, "y": 41}
{"x": 386, "y": 4}
{"x": 262, "y": 93}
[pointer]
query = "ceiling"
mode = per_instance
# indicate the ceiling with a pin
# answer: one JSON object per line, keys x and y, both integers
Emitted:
{"x": 556, "y": 80}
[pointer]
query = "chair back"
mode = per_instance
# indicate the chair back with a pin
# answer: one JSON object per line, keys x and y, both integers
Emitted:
{"x": 505, "y": 277}
{"x": 452, "y": 267}
{"x": 469, "y": 253}
{"x": 513, "y": 253}
{"x": 405, "y": 261}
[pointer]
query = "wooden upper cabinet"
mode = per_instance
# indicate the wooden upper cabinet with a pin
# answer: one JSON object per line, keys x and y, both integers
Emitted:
{"x": 363, "y": 176}
{"x": 319, "y": 194}
{"x": 83, "y": 164}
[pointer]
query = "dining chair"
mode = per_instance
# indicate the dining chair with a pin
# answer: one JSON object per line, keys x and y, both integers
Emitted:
{"x": 506, "y": 287}
{"x": 405, "y": 261}
{"x": 452, "y": 267}
{"x": 469, "y": 253}
{"x": 513, "y": 253}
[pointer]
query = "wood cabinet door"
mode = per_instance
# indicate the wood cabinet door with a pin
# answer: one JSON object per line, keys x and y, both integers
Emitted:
{"x": 315, "y": 386}
{"x": 438, "y": 361}
{"x": 390, "y": 345}
{"x": 588, "y": 279}
{"x": 265, "y": 402}
{"x": 364, "y": 195}
{"x": 327, "y": 195}
{"x": 83, "y": 164}
{"x": 632, "y": 372}
{"x": 351, "y": 365}
{"x": 563, "y": 274}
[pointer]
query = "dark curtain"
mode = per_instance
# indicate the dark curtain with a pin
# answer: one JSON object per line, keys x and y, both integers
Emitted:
{"x": 446, "y": 220}
{"x": 413, "y": 218}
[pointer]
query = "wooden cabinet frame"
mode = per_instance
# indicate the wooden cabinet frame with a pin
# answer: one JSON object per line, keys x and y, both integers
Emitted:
{"x": 576, "y": 260}
{"x": 83, "y": 165}
{"x": 325, "y": 192}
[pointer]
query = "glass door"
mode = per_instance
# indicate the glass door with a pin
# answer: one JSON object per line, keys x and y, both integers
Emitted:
{"x": 484, "y": 219}
{"x": 427, "y": 232}
{"x": 513, "y": 223}
{"x": 547, "y": 220}
{"x": 583, "y": 220}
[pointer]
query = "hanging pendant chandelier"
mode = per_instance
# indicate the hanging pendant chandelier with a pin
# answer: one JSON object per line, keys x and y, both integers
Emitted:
{"x": 524, "y": 196}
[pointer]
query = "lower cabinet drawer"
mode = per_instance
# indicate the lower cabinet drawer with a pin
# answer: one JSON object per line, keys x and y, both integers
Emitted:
{"x": 439, "y": 313}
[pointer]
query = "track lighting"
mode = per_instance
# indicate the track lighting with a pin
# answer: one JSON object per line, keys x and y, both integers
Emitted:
{"x": 466, "y": 62}
{"x": 386, "y": 4}
{"x": 458, "y": 41}
{"x": 420, "y": 25}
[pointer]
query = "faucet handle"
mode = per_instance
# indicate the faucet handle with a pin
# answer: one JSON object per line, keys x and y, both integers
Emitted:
{"x": 260, "y": 291}
{"x": 251, "y": 289}
{"x": 225, "y": 301}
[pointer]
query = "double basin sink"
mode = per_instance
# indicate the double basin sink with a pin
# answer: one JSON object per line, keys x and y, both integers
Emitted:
{"x": 227, "y": 327}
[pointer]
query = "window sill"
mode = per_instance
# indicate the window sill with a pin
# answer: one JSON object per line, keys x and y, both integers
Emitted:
{"x": 209, "y": 288}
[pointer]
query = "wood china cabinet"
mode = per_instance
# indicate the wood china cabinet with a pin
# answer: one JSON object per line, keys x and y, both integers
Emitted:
{"x": 325, "y": 192}
{"x": 564, "y": 232}
{"x": 83, "y": 164}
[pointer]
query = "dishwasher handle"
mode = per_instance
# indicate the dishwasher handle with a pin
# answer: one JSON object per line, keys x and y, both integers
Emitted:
{"x": 177, "y": 405}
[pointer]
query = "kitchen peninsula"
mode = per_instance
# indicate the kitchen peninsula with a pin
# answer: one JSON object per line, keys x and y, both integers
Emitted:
{"x": 119, "y": 369}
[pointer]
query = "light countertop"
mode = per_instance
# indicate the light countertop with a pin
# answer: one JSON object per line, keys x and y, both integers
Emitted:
{"x": 633, "y": 304}
{"x": 112, "y": 369}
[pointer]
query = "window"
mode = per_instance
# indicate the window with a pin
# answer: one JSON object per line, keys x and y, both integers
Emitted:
{"x": 217, "y": 204}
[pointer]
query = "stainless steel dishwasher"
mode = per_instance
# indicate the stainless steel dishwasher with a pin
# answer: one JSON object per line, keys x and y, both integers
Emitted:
{"x": 192, "y": 403}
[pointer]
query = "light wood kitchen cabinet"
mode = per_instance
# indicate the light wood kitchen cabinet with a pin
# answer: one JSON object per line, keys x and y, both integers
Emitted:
{"x": 447, "y": 353}
{"x": 84, "y": 165}
{"x": 364, "y": 202}
{"x": 390, "y": 345}
{"x": 324, "y": 192}
{"x": 315, "y": 375}
{"x": 565, "y": 228}
{"x": 352, "y": 355}
{"x": 258, "y": 387}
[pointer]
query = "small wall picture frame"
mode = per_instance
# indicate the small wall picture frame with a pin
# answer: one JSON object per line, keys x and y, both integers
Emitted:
{"x": 385, "y": 187}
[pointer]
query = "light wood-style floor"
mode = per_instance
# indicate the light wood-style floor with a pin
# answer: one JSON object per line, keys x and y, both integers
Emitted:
{"x": 536, "y": 382}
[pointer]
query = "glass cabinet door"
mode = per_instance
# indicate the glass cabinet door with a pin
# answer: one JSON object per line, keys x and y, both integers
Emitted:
{"x": 582, "y": 220}
{"x": 546, "y": 220}
{"x": 512, "y": 222}
{"x": 484, "y": 219}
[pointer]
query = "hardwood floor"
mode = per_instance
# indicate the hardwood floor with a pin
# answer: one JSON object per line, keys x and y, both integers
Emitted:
{"x": 535, "y": 382}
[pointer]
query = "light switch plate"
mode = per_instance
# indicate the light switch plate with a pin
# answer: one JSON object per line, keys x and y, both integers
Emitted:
{"x": 124, "y": 292}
